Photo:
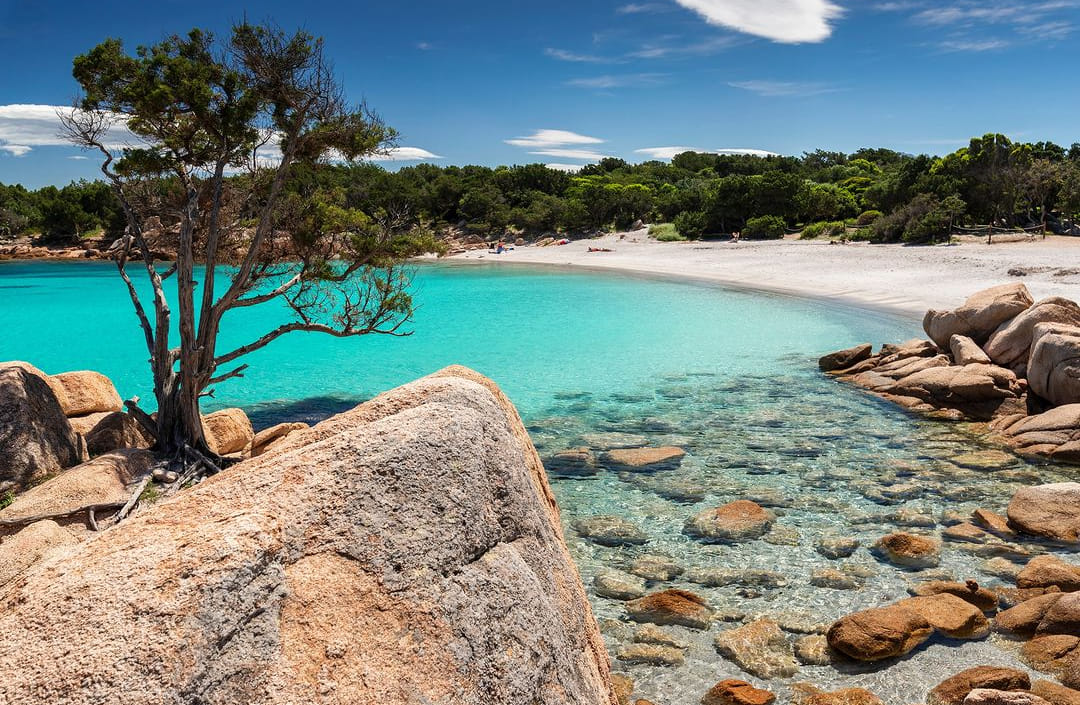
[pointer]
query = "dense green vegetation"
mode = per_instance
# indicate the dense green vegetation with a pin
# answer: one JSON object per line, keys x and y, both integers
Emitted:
{"x": 893, "y": 197}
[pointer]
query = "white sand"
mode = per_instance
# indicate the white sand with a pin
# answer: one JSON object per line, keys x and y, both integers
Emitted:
{"x": 906, "y": 280}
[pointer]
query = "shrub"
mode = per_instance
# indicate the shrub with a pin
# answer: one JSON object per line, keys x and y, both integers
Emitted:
{"x": 691, "y": 224}
{"x": 834, "y": 229}
{"x": 766, "y": 227}
{"x": 867, "y": 218}
{"x": 665, "y": 232}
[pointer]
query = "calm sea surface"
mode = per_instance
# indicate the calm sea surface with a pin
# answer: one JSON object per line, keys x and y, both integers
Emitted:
{"x": 600, "y": 360}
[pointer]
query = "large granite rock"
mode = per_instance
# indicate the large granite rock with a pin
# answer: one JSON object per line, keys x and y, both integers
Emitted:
{"x": 266, "y": 438}
{"x": 965, "y": 351}
{"x": 1010, "y": 344}
{"x": 32, "y": 544}
{"x": 409, "y": 550}
{"x": 36, "y": 439}
{"x": 228, "y": 431}
{"x": 1054, "y": 433}
{"x": 879, "y": 633}
{"x": 979, "y": 316}
{"x": 116, "y": 431}
{"x": 949, "y": 615}
{"x": 87, "y": 392}
{"x": 100, "y": 483}
{"x": 843, "y": 359}
{"x": 978, "y": 390}
{"x": 1051, "y": 511}
{"x": 1053, "y": 370}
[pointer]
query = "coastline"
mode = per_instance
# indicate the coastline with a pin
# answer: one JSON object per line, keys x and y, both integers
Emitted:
{"x": 887, "y": 278}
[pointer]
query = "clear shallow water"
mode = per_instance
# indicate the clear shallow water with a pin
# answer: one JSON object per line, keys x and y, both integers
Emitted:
{"x": 729, "y": 376}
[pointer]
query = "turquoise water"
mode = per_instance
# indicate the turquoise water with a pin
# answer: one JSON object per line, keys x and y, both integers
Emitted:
{"x": 602, "y": 360}
{"x": 536, "y": 332}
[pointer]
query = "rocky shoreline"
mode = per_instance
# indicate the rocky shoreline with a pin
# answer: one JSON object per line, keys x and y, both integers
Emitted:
{"x": 314, "y": 515}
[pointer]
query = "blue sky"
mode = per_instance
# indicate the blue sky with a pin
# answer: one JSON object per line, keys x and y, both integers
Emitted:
{"x": 563, "y": 82}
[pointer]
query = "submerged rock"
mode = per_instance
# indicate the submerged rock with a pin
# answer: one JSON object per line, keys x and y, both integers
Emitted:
{"x": 742, "y": 520}
{"x": 1055, "y": 693}
{"x": 610, "y": 531}
{"x": 759, "y": 648}
{"x": 650, "y": 655}
{"x": 910, "y": 550}
{"x": 678, "y": 607}
{"x": 36, "y": 439}
{"x": 952, "y": 691}
{"x": 644, "y": 459}
{"x": 879, "y": 633}
{"x": 407, "y": 550}
{"x": 971, "y": 592}
{"x": 836, "y": 547}
{"x": 810, "y": 695}
{"x": 653, "y": 566}
{"x": 736, "y": 692}
{"x": 949, "y": 615}
{"x": 1051, "y": 511}
{"x": 813, "y": 650}
{"x": 1049, "y": 571}
{"x": 618, "y": 586}
{"x": 989, "y": 696}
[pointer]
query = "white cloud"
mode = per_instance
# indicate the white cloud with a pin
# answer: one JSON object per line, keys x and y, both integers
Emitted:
{"x": 670, "y": 152}
{"x": 975, "y": 45}
{"x": 404, "y": 154}
{"x": 586, "y": 154}
{"x": 665, "y": 152}
{"x": 572, "y": 168}
{"x": 774, "y": 89}
{"x": 608, "y": 81}
{"x": 423, "y": 46}
{"x": 546, "y": 139}
{"x": 564, "y": 55}
{"x": 25, "y": 127}
{"x": 637, "y": 8}
{"x": 704, "y": 48}
{"x": 785, "y": 21}
{"x": 748, "y": 152}
{"x": 78, "y": 157}
{"x": 17, "y": 150}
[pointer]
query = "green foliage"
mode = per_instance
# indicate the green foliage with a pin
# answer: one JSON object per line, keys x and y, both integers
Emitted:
{"x": 997, "y": 179}
{"x": 867, "y": 218}
{"x": 765, "y": 227}
{"x": 666, "y": 232}
{"x": 7, "y": 499}
{"x": 826, "y": 229}
{"x": 691, "y": 224}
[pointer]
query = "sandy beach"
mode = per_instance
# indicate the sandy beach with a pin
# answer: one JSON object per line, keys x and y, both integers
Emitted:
{"x": 901, "y": 279}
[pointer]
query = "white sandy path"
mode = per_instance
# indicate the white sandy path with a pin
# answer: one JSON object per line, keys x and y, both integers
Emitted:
{"x": 906, "y": 280}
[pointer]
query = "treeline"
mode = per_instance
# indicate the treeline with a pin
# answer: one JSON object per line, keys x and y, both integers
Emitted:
{"x": 887, "y": 195}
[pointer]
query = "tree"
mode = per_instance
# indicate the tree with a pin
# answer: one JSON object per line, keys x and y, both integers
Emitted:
{"x": 222, "y": 128}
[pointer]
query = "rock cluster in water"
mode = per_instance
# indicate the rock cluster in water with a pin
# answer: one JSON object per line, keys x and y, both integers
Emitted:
{"x": 1000, "y": 358}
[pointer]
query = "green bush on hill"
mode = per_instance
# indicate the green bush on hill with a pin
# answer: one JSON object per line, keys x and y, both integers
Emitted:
{"x": 765, "y": 227}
